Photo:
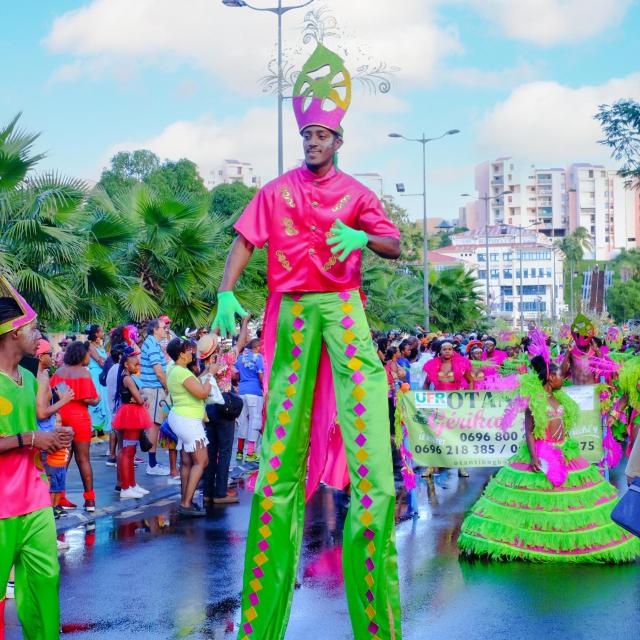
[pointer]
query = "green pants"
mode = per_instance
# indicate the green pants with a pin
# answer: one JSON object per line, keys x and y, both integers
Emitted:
{"x": 277, "y": 517}
{"x": 29, "y": 543}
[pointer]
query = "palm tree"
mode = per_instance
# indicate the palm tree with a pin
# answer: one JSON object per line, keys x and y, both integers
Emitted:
{"x": 454, "y": 299}
{"x": 151, "y": 254}
{"x": 39, "y": 215}
{"x": 573, "y": 247}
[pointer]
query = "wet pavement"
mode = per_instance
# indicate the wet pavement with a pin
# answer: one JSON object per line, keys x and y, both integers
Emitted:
{"x": 146, "y": 574}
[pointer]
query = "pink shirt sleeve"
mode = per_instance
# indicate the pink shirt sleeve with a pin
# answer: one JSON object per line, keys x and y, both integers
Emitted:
{"x": 255, "y": 221}
{"x": 373, "y": 218}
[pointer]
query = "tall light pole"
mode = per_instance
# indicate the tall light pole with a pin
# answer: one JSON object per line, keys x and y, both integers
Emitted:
{"x": 521, "y": 284}
{"x": 425, "y": 234}
{"x": 279, "y": 11}
{"x": 486, "y": 198}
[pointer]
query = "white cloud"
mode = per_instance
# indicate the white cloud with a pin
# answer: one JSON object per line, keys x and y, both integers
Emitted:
{"x": 235, "y": 44}
{"x": 550, "y": 122}
{"x": 474, "y": 78}
{"x": 551, "y": 22}
{"x": 251, "y": 137}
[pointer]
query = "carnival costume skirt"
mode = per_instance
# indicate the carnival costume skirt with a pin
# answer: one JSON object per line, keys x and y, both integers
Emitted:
{"x": 131, "y": 416}
{"x": 523, "y": 515}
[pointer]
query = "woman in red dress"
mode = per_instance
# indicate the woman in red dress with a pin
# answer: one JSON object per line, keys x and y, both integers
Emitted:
{"x": 74, "y": 375}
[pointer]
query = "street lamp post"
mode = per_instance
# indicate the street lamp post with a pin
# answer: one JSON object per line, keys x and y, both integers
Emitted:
{"x": 425, "y": 237}
{"x": 279, "y": 11}
{"x": 486, "y": 198}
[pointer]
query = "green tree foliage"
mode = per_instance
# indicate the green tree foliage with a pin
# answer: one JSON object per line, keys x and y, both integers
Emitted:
{"x": 623, "y": 300}
{"x": 39, "y": 218}
{"x": 177, "y": 177}
{"x": 128, "y": 168}
{"x": 230, "y": 200}
{"x": 621, "y": 127}
{"x": 454, "y": 299}
{"x": 167, "y": 178}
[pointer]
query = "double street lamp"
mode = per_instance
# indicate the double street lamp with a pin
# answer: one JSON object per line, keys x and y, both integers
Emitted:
{"x": 486, "y": 199}
{"x": 279, "y": 11}
{"x": 425, "y": 240}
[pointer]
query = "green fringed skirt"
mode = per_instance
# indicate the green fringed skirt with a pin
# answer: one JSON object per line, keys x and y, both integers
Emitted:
{"x": 521, "y": 515}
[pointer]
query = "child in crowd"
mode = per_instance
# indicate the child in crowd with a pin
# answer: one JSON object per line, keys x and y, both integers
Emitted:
{"x": 48, "y": 402}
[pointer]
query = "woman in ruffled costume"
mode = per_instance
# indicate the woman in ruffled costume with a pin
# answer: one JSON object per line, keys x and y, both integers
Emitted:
{"x": 548, "y": 503}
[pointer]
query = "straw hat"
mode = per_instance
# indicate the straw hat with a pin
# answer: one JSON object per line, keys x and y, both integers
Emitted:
{"x": 207, "y": 345}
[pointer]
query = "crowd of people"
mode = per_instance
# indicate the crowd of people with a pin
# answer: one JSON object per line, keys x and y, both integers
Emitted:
{"x": 143, "y": 387}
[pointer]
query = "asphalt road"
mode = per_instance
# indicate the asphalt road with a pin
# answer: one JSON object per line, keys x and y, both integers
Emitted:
{"x": 146, "y": 574}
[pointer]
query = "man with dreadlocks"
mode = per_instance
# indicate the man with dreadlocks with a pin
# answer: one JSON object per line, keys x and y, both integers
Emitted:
{"x": 27, "y": 528}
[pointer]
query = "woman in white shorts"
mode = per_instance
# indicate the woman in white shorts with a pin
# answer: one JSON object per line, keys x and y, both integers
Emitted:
{"x": 188, "y": 394}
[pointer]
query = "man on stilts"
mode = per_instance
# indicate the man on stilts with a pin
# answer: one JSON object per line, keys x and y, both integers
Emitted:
{"x": 317, "y": 220}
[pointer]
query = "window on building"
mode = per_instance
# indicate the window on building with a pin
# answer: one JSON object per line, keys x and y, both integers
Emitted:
{"x": 495, "y": 274}
{"x": 525, "y": 273}
{"x": 507, "y": 306}
{"x": 535, "y": 305}
{"x": 507, "y": 257}
{"x": 482, "y": 257}
{"x": 482, "y": 274}
{"x": 507, "y": 274}
{"x": 494, "y": 257}
{"x": 506, "y": 291}
{"x": 540, "y": 273}
{"x": 532, "y": 290}
{"x": 548, "y": 273}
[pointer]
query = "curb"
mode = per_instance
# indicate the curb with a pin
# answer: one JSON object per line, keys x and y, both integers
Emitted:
{"x": 81, "y": 517}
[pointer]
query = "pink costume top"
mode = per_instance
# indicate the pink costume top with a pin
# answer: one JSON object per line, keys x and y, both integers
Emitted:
{"x": 581, "y": 367}
{"x": 498, "y": 357}
{"x": 294, "y": 214}
{"x": 453, "y": 380}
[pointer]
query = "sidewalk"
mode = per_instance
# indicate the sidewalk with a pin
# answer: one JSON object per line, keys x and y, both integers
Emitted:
{"x": 108, "y": 502}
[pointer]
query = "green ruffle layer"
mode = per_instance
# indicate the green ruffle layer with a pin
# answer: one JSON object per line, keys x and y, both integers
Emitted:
{"x": 626, "y": 552}
{"x": 522, "y": 509}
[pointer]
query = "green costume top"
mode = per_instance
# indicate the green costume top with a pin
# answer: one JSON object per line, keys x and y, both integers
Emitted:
{"x": 23, "y": 484}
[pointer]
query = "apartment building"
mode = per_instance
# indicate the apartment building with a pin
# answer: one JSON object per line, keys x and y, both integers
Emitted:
{"x": 525, "y": 271}
{"x": 557, "y": 201}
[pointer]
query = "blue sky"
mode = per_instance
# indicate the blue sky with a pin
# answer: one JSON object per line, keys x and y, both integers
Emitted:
{"x": 517, "y": 77}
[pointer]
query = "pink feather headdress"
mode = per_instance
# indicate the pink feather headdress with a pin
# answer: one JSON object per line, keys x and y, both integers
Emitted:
{"x": 539, "y": 346}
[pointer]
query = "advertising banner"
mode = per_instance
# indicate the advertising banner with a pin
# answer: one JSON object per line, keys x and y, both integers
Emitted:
{"x": 463, "y": 428}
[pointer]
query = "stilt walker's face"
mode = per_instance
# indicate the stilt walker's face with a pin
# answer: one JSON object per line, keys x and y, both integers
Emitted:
{"x": 320, "y": 145}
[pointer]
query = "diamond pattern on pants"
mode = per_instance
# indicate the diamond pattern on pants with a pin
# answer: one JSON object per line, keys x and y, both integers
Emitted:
{"x": 261, "y": 559}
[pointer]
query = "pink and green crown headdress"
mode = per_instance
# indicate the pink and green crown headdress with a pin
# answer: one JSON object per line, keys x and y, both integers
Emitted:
{"x": 25, "y": 314}
{"x": 582, "y": 326}
{"x": 322, "y": 92}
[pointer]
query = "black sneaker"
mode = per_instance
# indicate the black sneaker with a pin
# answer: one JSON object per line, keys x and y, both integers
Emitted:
{"x": 191, "y": 512}
{"x": 58, "y": 511}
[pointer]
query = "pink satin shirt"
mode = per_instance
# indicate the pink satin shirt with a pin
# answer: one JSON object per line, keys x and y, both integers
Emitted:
{"x": 294, "y": 214}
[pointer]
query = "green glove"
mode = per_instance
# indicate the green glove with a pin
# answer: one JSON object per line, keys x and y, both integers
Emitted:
{"x": 346, "y": 240}
{"x": 225, "y": 318}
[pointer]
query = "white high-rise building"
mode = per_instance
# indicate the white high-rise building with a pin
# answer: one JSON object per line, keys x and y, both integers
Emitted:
{"x": 556, "y": 201}
{"x": 600, "y": 203}
{"x": 537, "y": 197}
